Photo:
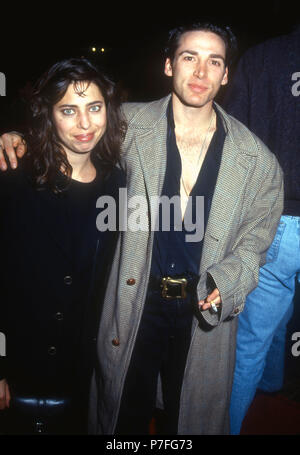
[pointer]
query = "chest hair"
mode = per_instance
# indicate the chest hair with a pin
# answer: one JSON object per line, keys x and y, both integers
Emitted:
{"x": 192, "y": 148}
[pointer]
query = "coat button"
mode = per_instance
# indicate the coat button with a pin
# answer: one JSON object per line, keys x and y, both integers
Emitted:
{"x": 236, "y": 311}
{"x": 68, "y": 280}
{"x": 116, "y": 342}
{"x": 131, "y": 281}
{"x": 52, "y": 350}
{"x": 59, "y": 316}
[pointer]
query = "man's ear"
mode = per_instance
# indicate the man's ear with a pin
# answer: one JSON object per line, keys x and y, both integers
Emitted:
{"x": 225, "y": 77}
{"x": 168, "y": 68}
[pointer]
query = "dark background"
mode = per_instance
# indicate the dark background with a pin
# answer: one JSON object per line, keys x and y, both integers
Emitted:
{"x": 132, "y": 34}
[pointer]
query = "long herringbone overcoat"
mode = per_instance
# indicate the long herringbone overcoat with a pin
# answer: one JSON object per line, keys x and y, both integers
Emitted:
{"x": 245, "y": 211}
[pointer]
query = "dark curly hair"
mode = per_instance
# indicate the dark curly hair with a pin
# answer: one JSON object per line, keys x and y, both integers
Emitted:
{"x": 223, "y": 32}
{"x": 46, "y": 155}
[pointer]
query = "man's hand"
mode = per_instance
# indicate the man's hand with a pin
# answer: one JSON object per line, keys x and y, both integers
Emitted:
{"x": 4, "y": 394}
{"x": 14, "y": 147}
{"x": 213, "y": 298}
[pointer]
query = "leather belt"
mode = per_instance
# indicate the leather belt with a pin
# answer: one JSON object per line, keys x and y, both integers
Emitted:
{"x": 39, "y": 414}
{"x": 174, "y": 287}
{"x": 48, "y": 406}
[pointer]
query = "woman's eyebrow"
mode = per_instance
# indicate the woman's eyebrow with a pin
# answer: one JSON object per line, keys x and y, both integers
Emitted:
{"x": 76, "y": 105}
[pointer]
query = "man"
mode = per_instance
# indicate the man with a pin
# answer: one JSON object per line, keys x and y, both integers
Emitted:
{"x": 166, "y": 336}
{"x": 265, "y": 96}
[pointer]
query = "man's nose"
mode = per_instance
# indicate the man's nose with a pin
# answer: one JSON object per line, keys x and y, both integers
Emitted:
{"x": 200, "y": 70}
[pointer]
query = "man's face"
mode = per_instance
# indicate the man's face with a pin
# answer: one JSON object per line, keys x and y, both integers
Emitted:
{"x": 198, "y": 68}
{"x": 80, "y": 118}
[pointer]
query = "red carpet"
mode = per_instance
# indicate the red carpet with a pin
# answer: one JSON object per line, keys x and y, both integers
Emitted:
{"x": 268, "y": 415}
{"x": 272, "y": 415}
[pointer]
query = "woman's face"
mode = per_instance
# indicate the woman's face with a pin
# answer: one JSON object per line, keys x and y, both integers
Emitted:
{"x": 80, "y": 118}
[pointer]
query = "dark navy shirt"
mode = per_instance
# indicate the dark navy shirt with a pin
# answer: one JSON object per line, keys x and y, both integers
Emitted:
{"x": 172, "y": 253}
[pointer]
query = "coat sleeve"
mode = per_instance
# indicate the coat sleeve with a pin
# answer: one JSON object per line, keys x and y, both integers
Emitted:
{"x": 236, "y": 275}
{"x": 4, "y": 200}
{"x": 10, "y": 182}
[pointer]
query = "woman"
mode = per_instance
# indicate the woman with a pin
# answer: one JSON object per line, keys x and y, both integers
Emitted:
{"x": 49, "y": 313}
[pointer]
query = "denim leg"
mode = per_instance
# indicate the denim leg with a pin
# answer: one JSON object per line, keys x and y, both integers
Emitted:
{"x": 273, "y": 375}
{"x": 267, "y": 307}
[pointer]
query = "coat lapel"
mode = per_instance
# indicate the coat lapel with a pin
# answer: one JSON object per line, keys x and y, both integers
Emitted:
{"x": 230, "y": 187}
{"x": 152, "y": 147}
{"x": 153, "y": 155}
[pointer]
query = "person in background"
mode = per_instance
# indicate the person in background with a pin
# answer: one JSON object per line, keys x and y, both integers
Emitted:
{"x": 52, "y": 250}
{"x": 265, "y": 96}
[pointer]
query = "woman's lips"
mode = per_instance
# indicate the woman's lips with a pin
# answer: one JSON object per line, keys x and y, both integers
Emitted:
{"x": 84, "y": 137}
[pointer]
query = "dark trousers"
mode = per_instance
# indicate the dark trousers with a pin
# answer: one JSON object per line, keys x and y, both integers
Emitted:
{"x": 161, "y": 347}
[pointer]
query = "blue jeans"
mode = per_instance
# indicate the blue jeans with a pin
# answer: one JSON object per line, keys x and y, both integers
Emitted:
{"x": 260, "y": 350}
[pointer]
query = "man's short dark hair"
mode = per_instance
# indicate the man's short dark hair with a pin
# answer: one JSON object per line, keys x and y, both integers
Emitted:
{"x": 225, "y": 34}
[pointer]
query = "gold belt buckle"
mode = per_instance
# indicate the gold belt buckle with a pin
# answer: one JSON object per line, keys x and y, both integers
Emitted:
{"x": 168, "y": 280}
